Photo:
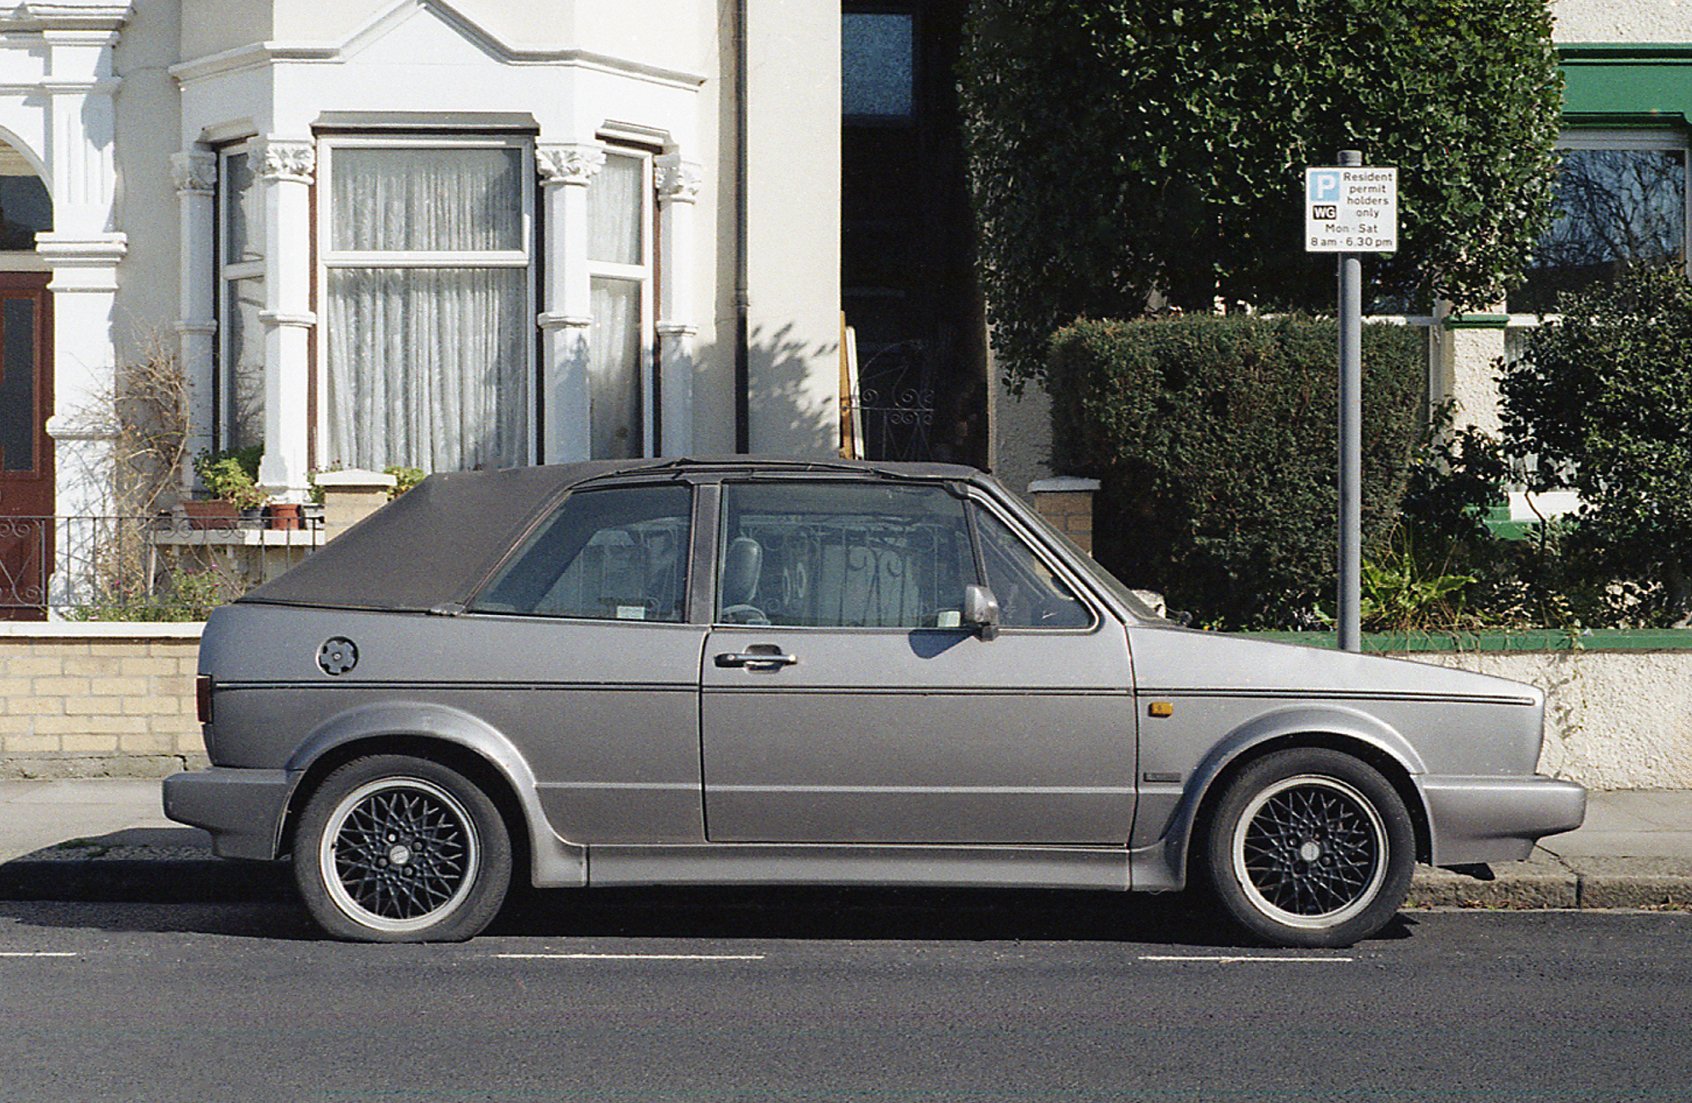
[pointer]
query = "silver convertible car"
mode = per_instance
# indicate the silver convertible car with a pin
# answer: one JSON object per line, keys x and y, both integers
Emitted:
{"x": 757, "y": 671}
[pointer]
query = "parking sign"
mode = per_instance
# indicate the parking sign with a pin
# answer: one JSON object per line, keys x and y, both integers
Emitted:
{"x": 1351, "y": 210}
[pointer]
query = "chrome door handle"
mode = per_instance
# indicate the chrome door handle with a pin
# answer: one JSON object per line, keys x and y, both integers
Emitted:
{"x": 756, "y": 660}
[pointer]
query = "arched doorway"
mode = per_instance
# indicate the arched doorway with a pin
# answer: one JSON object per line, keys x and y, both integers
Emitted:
{"x": 26, "y": 392}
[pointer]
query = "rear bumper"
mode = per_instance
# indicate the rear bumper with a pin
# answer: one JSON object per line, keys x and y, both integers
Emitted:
{"x": 242, "y": 809}
{"x": 1496, "y": 819}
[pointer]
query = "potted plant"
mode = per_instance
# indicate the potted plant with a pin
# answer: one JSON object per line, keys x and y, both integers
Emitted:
{"x": 231, "y": 480}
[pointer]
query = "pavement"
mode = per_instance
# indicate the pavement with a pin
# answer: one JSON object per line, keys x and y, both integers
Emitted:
{"x": 108, "y": 840}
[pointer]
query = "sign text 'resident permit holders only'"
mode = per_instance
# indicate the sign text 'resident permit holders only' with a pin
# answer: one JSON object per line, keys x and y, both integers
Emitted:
{"x": 1351, "y": 210}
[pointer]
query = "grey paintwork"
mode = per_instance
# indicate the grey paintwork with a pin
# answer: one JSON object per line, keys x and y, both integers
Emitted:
{"x": 888, "y": 756}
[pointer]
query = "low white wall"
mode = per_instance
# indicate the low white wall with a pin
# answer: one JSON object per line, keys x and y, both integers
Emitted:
{"x": 1613, "y": 719}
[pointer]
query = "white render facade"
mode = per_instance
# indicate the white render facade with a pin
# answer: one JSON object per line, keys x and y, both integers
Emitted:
{"x": 436, "y": 233}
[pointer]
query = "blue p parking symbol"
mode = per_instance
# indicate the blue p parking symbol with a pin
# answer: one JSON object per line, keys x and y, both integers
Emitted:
{"x": 1322, "y": 185}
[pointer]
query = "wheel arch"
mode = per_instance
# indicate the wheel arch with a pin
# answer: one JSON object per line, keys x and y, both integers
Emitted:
{"x": 454, "y": 739}
{"x": 1168, "y": 863}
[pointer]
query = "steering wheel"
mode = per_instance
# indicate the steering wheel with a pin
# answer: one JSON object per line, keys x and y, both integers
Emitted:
{"x": 744, "y": 614}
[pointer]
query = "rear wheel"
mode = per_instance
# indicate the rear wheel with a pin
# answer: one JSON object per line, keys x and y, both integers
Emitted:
{"x": 392, "y": 848}
{"x": 1310, "y": 847}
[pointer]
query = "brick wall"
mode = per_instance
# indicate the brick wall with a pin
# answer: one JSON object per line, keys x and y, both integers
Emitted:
{"x": 98, "y": 700}
{"x": 1067, "y": 503}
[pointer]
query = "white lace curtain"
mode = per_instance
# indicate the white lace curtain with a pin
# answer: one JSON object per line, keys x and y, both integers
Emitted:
{"x": 427, "y": 365}
{"x": 617, "y": 255}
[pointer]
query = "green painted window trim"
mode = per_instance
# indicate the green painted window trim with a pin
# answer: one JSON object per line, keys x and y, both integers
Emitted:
{"x": 1627, "y": 84}
{"x": 1477, "y": 321}
{"x": 1529, "y": 640}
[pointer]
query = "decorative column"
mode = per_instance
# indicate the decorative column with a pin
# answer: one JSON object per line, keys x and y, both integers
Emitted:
{"x": 678, "y": 191}
{"x": 82, "y": 252}
{"x": 284, "y": 168}
{"x": 567, "y": 300}
{"x": 195, "y": 174}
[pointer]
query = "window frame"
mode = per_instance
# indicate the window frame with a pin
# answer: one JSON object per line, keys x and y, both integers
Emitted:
{"x": 967, "y": 495}
{"x": 913, "y": 117}
{"x": 224, "y": 297}
{"x": 645, "y": 275}
{"x": 690, "y": 565}
{"x": 1042, "y": 554}
{"x": 326, "y": 258}
{"x": 1651, "y": 138}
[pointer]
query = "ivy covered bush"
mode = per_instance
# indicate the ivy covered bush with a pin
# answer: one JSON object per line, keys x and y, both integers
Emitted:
{"x": 1601, "y": 403}
{"x": 1216, "y": 442}
{"x": 1120, "y": 150}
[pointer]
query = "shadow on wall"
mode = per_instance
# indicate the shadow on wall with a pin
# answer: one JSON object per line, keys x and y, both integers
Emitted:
{"x": 793, "y": 399}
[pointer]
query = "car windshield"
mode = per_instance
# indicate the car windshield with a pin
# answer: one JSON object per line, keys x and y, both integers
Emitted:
{"x": 1135, "y": 603}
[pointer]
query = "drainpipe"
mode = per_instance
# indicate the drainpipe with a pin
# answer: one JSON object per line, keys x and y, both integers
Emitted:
{"x": 742, "y": 302}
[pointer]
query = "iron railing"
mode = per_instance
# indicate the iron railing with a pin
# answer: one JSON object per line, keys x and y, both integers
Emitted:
{"x": 140, "y": 568}
{"x": 894, "y": 404}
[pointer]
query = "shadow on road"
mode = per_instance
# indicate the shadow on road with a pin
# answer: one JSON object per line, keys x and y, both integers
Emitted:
{"x": 111, "y": 886}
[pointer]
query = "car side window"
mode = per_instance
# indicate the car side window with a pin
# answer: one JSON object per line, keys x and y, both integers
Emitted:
{"x": 614, "y": 554}
{"x": 1029, "y": 594}
{"x": 842, "y": 555}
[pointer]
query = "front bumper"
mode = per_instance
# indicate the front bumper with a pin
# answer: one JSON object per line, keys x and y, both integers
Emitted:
{"x": 1498, "y": 819}
{"x": 242, "y": 809}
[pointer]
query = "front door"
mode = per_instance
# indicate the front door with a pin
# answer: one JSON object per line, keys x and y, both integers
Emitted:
{"x": 879, "y": 718}
{"x": 26, "y": 452}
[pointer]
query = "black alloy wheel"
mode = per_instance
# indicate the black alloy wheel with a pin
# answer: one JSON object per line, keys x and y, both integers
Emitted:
{"x": 1310, "y": 847}
{"x": 398, "y": 849}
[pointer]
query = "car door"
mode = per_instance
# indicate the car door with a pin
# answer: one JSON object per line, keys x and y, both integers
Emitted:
{"x": 844, "y": 701}
{"x": 589, "y": 624}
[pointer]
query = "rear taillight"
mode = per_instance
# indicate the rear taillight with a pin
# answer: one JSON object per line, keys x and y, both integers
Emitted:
{"x": 202, "y": 697}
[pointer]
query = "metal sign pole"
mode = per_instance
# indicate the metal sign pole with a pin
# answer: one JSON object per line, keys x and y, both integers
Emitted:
{"x": 1350, "y": 437}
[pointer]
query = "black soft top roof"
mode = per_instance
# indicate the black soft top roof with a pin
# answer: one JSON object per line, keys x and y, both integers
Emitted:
{"x": 433, "y": 545}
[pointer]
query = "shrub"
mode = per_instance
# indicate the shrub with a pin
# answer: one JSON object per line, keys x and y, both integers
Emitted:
{"x": 233, "y": 475}
{"x": 181, "y": 595}
{"x": 1601, "y": 403}
{"x": 1118, "y": 150}
{"x": 404, "y": 478}
{"x": 1216, "y": 440}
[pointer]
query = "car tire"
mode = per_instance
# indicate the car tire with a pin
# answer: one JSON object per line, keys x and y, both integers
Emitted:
{"x": 1310, "y": 848}
{"x": 392, "y": 848}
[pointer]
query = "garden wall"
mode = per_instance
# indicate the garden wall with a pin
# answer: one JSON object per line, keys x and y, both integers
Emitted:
{"x": 98, "y": 700}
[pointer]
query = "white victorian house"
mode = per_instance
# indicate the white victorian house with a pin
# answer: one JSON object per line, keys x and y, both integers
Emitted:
{"x": 440, "y": 233}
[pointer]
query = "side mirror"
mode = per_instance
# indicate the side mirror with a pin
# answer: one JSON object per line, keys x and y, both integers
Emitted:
{"x": 981, "y": 611}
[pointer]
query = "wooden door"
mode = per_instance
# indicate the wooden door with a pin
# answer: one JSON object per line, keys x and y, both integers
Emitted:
{"x": 26, "y": 452}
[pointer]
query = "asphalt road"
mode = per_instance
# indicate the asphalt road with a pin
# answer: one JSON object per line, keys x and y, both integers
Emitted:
{"x": 897, "y": 996}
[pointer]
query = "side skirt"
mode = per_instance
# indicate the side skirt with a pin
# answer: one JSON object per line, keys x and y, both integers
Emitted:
{"x": 916, "y": 866}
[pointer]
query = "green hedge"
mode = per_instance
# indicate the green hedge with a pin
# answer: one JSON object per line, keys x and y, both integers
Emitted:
{"x": 1516, "y": 641}
{"x": 1216, "y": 442}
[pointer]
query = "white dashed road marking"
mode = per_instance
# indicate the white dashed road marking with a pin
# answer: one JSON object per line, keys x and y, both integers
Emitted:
{"x": 631, "y": 957}
{"x": 37, "y": 953}
{"x": 1241, "y": 959}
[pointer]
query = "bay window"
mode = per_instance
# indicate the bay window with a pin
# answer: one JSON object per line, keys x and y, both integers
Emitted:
{"x": 240, "y": 292}
{"x": 426, "y": 319}
{"x": 620, "y": 383}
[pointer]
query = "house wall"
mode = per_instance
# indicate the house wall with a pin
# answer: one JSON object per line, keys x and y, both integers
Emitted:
{"x": 1623, "y": 20}
{"x": 147, "y": 112}
{"x": 793, "y": 217}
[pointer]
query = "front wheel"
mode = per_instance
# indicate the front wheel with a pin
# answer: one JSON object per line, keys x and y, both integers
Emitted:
{"x": 1310, "y": 847}
{"x": 398, "y": 849}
